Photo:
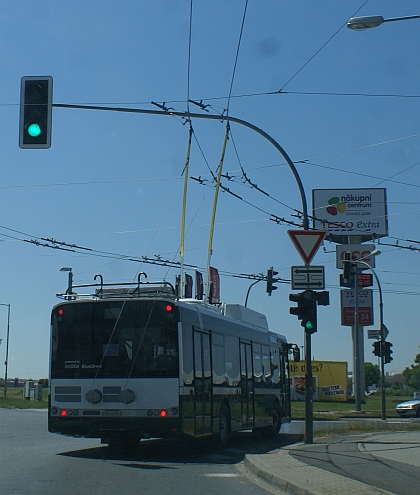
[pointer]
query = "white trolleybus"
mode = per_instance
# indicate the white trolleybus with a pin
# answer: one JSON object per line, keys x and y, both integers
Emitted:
{"x": 133, "y": 362}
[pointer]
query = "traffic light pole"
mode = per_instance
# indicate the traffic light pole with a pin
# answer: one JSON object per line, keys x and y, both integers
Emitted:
{"x": 309, "y": 413}
{"x": 220, "y": 118}
{"x": 306, "y": 311}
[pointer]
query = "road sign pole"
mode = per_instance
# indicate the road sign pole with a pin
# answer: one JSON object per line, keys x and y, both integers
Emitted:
{"x": 358, "y": 352}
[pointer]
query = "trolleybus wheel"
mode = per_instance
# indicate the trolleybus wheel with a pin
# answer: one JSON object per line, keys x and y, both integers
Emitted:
{"x": 274, "y": 429}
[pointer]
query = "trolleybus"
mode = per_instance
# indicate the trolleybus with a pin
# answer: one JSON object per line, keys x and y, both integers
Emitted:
{"x": 130, "y": 362}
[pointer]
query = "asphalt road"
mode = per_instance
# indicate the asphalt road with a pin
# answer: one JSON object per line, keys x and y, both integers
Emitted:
{"x": 382, "y": 460}
{"x": 35, "y": 462}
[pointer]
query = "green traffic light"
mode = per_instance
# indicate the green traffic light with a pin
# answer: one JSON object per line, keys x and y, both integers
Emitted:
{"x": 309, "y": 325}
{"x": 34, "y": 130}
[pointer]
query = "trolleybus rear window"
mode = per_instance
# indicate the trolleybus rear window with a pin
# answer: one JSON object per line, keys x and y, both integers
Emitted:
{"x": 114, "y": 339}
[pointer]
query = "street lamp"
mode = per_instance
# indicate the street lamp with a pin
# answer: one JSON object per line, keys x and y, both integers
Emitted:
{"x": 7, "y": 348}
{"x": 372, "y": 21}
{"x": 382, "y": 330}
{"x": 357, "y": 336}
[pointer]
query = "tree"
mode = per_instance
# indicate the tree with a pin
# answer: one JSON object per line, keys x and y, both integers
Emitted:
{"x": 372, "y": 375}
{"x": 412, "y": 374}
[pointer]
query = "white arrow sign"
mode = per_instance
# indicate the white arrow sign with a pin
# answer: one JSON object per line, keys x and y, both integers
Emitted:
{"x": 308, "y": 277}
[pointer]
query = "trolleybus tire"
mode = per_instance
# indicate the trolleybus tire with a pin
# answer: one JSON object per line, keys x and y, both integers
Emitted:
{"x": 274, "y": 429}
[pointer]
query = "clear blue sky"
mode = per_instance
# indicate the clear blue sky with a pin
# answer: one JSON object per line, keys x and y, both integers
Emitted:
{"x": 347, "y": 115}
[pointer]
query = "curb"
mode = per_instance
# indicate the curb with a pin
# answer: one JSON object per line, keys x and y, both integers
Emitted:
{"x": 283, "y": 471}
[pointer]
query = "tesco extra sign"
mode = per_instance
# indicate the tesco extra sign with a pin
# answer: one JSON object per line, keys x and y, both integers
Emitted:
{"x": 357, "y": 252}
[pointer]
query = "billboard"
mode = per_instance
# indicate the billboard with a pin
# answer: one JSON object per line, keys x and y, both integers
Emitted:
{"x": 364, "y": 306}
{"x": 329, "y": 380}
{"x": 360, "y": 213}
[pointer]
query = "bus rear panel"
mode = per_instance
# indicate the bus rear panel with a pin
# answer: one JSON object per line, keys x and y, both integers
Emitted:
{"x": 114, "y": 368}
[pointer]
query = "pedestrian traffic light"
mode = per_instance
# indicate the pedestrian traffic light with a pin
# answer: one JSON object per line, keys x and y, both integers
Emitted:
{"x": 305, "y": 309}
{"x": 377, "y": 348}
{"x": 271, "y": 280}
{"x": 35, "y": 112}
{"x": 386, "y": 347}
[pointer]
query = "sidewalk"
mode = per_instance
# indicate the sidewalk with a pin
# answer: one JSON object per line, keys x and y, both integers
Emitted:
{"x": 282, "y": 470}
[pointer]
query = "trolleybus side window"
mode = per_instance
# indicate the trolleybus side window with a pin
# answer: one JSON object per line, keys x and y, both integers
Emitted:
{"x": 265, "y": 361}
{"x": 275, "y": 365}
{"x": 256, "y": 358}
{"x": 232, "y": 360}
{"x": 218, "y": 359}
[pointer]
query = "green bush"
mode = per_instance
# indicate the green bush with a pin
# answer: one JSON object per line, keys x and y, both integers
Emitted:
{"x": 395, "y": 392}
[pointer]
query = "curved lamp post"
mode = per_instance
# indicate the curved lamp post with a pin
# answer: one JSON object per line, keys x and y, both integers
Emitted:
{"x": 358, "y": 361}
{"x": 382, "y": 335}
{"x": 372, "y": 21}
{"x": 221, "y": 118}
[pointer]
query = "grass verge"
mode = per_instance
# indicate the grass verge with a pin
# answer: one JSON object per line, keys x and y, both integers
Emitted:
{"x": 14, "y": 399}
{"x": 371, "y": 408}
{"x": 368, "y": 427}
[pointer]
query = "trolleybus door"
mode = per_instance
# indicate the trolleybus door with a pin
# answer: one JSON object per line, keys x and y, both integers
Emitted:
{"x": 285, "y": 386}
{"x": 202, "y": 383}
{"x": 247, "y": 386}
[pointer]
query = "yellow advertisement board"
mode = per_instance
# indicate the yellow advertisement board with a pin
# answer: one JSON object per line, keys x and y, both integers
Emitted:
{"x": 329, "y": 380}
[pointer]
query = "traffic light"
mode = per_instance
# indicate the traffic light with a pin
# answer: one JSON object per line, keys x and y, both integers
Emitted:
{"x": 309, "y": 321}
{"x": 323, "y": 298}
{"x": 347, "y": 267}
{"x": 386, "y": 347}
{"x": 271, "y": 280}
{"x": 377, "y": 348}
{"x": 35, "y": 112}
{"x": 300, "y": 309}
{"x": 306, "y": 309}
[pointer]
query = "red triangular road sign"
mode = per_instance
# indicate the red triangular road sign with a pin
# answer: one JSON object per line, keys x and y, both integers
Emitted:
{"x": 307, "y": 242}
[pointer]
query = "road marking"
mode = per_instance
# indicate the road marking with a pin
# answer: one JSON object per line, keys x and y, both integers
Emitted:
{"x": 223, "y": 475}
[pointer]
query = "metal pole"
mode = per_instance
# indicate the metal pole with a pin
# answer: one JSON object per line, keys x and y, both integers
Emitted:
{"x": 382, "y": 339}
{"x": 7, "y": 348}
{"x": 309, "y": 414}
{"x": 357, "y": 365}
{"x": 249, "y": 289}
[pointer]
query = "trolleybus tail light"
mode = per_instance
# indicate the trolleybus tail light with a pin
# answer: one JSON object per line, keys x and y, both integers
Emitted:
{"x": 63, "y": 413}
{"x": 169, "y": 308}
{"x": 60, "y": 311}
{"x": 163, "y": 413}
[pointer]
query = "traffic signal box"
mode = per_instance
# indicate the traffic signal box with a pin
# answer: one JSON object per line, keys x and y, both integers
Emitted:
{"x": 35, "y": 112}
{"x": 377, "y": 348}
{"x": 271, "y": 280}
{"x": 306, "y": 309}
{"x": 385, "y": 347}
{"x": 347, "y": 266}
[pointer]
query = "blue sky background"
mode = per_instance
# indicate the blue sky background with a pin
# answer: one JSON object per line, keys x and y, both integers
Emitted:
{"x": 112, "y": 182}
